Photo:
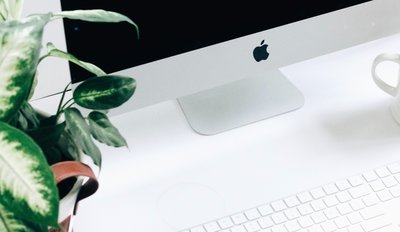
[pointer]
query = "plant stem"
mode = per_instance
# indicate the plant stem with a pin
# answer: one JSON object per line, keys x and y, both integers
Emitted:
{"x": 65, "y": 106}
{"x": 42, "y": 58}
{"x": 60, "y": 104}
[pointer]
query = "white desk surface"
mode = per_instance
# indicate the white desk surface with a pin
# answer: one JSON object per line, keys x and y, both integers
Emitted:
{"x": 171, "y": 177}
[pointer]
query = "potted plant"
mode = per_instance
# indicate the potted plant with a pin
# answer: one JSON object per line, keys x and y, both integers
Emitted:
{"x": 32, "y": 144}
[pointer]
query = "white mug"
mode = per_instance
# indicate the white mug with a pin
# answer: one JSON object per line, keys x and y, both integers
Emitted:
{"x": 392, "y": 90}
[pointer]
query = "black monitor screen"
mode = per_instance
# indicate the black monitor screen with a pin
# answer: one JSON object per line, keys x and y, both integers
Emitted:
{"x": 168, "y": 28}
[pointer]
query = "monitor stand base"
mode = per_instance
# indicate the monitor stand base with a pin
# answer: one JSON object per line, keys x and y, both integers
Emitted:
{"x": 240, "y": 103}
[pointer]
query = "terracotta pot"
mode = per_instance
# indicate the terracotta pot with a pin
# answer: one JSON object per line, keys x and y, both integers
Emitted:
{"x": 76, "y": 181}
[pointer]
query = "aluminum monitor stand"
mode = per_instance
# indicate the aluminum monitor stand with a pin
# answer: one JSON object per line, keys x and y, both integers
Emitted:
{"x": 240, "y": 103}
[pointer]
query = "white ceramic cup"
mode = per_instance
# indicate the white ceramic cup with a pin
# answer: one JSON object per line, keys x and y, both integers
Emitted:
{"x": 390, "y": 89}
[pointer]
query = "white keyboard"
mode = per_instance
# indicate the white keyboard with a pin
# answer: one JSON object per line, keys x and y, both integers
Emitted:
{"x": 368, "y": 202}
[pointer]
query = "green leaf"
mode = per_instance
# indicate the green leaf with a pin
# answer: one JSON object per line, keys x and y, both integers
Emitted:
{"x": 105, "y": 92}
{"x": 103, "y": 131}
{"x": 30, "y": 114}
{"x": 67, "y": 147}
{"x": 96, "y": 15}
{"x": 20, "y": 44}
{"x": 80, "y": 132}
{"x": 26, "y": 118}
{"x": 19, "y": 121}
{"x": 27, "y": 184}
{"x": 53, "y": 51}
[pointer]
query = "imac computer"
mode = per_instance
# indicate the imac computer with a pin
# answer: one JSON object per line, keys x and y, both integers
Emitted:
{"x": 221, "y": 62}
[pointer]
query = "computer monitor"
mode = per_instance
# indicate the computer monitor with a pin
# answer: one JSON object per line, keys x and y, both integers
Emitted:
{"x": 221, "y": 62}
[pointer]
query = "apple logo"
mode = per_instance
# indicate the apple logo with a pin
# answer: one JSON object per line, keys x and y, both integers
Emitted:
{"x": 260, "y": 52}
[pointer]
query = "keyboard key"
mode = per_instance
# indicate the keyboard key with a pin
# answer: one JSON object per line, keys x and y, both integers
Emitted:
{"x": 252, "y": 214}
{"x": 239, "y": 218}
{"x": 343, "y": 197}
{"x": 330, "y": 189}
{"x": 331, "y": 213}
{"x": 292, "y": 226}
{"x": 370, "y": 176}
{"x": 354, "y": 218}
{"x": 317, "y": 193}
{"x": 382, "y": 172}
{"x": 279, "y": 228}
{"x": 212, "y": 227}
{"x": 318, "y": 217}
{"x": 239, "y": 228}
{"x": 305, "y": 209}
{"x": 360, "y": 191}
{"x": 305, "y": 222}
{"x": 331, "y": 201}
{"x": 292, "y": 213}
{"x": 371, "y": 212}
{"x": 342, "y": 222}
{"x": 265, "y": 222}
{"x": 370, "y": 200}
{"x": 397, "y": 177}
{"x": 315, "y": 228}
{"x": 384, "y": 195}
{"x": 394, "y": 168}
{"x": 357, "y": 204}
{"x": 252, "y": 226}
{"x": 377, "y": 185}
{"x": 395, "y": 191}
{"x": 328, "y": 226}
{"x": 318, "y": 205}
{"x": 344, "y": 209}
{"x": 375, "y": 223}
{"x": 225, "y": 223}
{"x": 304, "y": 197}
{"x": 292, "y": 201}
{"x": 355, "y": 228}
{"x": 356, "y": 180}
{"x": 278, "y": 205}
{"x": 343, "y": 185}
{"x": 278, "y": 217}
{"x": 389, "y": 181}
{"x": 265, "y": 210}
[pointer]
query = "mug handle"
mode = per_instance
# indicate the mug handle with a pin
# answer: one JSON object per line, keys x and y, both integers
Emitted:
{"x": 392, "y": 90}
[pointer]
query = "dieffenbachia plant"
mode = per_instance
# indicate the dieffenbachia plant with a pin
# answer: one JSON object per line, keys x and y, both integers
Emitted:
{"x": 30, "y": 142}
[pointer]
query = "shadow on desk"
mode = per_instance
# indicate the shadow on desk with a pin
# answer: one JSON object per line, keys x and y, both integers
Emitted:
{"x": 362, "y": 127}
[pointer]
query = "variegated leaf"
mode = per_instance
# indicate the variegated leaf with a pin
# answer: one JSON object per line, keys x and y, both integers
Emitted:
{"x": 20, "y": 44}
{"x": 9, "y": 222}
{"x": 103, "y": 130}
{"x": 53, "y": 51}
{"x": 27, "y": 184}
{"x": 10, "y": 9}
{"x": 105, "y": 92}
{"x": 96, "y": 15}
{"x": 80, "y": 132}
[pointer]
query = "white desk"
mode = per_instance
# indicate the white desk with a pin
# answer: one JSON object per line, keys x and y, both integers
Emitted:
{"x": 170, "y": 172}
